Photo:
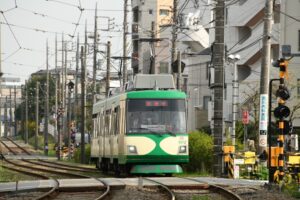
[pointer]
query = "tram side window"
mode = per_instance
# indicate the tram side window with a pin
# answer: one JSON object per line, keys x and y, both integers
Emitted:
{"x": 102, "y": 126}
{"x": 112, "y": 130}
{"x": 117, "y": 120}
{"x": 107, "y": 122}
{"x": 99, "y": 125}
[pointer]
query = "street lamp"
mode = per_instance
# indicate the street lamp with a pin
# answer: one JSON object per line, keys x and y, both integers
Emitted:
{"x": 235, "y": 85}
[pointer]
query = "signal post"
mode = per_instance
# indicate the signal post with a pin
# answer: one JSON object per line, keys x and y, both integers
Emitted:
{"x": 281, "y": 112}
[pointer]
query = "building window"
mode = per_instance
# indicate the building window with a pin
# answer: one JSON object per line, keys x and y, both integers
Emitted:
{"x": 207, "y": 70}
{"x": 206, "y": 100}
{"x": 298, "y": 88}
{"x": 150, "y": 11}
{"x": 163, "y": 67}
{"x": 164, "y": 12}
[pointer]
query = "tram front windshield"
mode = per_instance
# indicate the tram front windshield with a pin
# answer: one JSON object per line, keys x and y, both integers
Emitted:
{"x": 156, "y": 116}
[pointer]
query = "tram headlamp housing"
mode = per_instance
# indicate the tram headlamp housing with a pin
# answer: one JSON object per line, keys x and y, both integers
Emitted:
{"x": 182, "y": 149}
{"x": 132, "y": 149}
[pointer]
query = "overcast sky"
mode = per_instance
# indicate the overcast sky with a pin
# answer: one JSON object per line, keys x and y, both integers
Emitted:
{"x": 23, "y": 43}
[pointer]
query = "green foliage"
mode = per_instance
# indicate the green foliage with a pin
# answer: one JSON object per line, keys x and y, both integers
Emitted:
{"x": 77, "y": 154}
{"x": 201, "y": 152}
{"x": 51, "y": 142}
{"x": 11, "y": 176}
{"x": 292, "y": 189}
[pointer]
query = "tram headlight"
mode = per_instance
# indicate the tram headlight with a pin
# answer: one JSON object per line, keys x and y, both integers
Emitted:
{"x": 132, "y": 149}
{"x": 182, "y": 149}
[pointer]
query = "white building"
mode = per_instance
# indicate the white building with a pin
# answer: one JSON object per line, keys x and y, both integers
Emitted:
{"x": 192, "y": 37}
{"x": 243, "y": 36}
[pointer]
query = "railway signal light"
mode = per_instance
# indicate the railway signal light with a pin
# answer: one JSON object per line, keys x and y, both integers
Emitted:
{"x": 282, "y": 64}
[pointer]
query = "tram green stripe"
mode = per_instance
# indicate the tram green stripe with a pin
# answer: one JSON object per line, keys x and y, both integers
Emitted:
{"x": 153, "y": 159}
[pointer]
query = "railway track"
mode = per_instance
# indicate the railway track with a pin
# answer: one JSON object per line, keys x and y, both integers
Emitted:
{"x": 52, "y": 164}
{"x": 47, "y": 166}
{"x": 54, "y": 192}
{"x": 211, "y": 187}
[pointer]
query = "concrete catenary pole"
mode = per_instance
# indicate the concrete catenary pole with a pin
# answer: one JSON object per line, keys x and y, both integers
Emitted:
{"x": 218, "y": 62}
{"x": 108, "y": 69}
{"x": 82, "y": 105}
{"x": 15, "y": 110}
{"x": 264, "y": 78}
{"x": 76, "y": 81}
{"x": 26, "y": 112}
{"x": 65, "y": 129}
{"x": 179, "y": 84}
{"x": 56, "y": 90}
{"x": 5, "y": 118}
{"x": 125, "y": 27}
{"x": 0, "y": 82}
{"x": 152, "y": 43}
{"x": 10, "y": 112}
{"x": 69, "y": 123}
{"x": 95, "y": 57}
{"x": 174, "y": 34}
{"x": 36, "y": 115}
{"x": 46, "y": 103}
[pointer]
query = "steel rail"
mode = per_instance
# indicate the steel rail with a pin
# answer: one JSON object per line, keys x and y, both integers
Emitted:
{"x": 51, "y": 192}
{"x": 8, "y": 148}
{"x": 171, "y": 193}
{"x": 218, "y": 189}
{"x": 19, "y": 146}
{"x": 46, "y": 194}
{"x": 66, "y": 165}
{"x": 47, "y": 170}
{"x": 42, "y": 163}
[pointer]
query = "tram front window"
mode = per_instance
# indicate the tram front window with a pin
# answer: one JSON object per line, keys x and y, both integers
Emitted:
{"x": 156, "y": 116}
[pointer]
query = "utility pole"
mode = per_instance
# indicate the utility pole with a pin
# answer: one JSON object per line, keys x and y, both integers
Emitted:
{"x": 218, "y": 87}
{"x": 82, "y": 104}
{"x": 5, "y": 117}
{"x": 179, "y": 70}
{"x": 65, "y": 129}
{"x": 15, "y": 109}
{"x": 125, "y": 42}
{"x": 0, "y": 82}
{"x": 76, "y": 80}
{"x": 36, "y": 116}
{"x": 59, "y": 98}
{"x": 46, "y": 104}
{"x": 264, "y": 78}
{"x": 10, "y": 112}
{"x": 174, "y": 34}
{"x": 152, "y": 67}
{"x": 108, "y": 69}
{"x": 69, "y": 122}
{"x": 56, "y": 91}
{"x": 95, "y": 57}
{"x": 26, "y": 112}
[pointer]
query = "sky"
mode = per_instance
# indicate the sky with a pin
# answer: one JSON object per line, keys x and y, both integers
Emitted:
{"x": 26, "y": 25}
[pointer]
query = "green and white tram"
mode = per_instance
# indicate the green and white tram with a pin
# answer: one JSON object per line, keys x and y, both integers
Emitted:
{"x": 141, "y": 132}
